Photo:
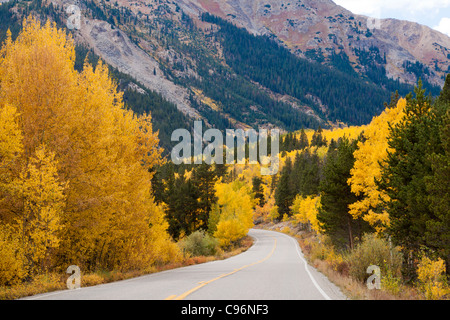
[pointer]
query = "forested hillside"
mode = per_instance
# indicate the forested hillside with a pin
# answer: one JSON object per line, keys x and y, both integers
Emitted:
{"x": 232, "y": 79}
{"x": 348, "y": 99}
{"x": 84, "y": 179}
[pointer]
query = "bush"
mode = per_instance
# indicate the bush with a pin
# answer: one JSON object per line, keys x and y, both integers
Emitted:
{"x": 199, "y": 243}
{"x": 41, "y": 283}
{"x": 229, "y": 232}
{"x": 432, "y": 281}
{"x": 375, "y": 251}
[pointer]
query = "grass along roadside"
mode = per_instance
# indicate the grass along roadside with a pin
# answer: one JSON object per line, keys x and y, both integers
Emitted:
{"x": 49, "y": 282}
{"x": 336, "y": 267}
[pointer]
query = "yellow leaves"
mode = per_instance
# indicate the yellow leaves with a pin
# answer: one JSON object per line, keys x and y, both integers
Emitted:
{"x": 269, "y": 211}
{"x": 352, "y": 132}
{"x": 43, "y": 201}
{"x": 235, "y": 212}
{"x": 11, "y": 145}
{"x": 147, "y": 140}
{"x": 70, "y": 127}
{"x": 11, "y": 256}
{"x": 366, "y": 169}
{"x": 10, "y": 135}
{"x": 206, "y": 100}
{"x": 36, "y": 71}
{"x": 188, "y": 174}
{"x": 432, "y": 279}
{"x": 305, "y": 211}
{"x": 229, "y": 231}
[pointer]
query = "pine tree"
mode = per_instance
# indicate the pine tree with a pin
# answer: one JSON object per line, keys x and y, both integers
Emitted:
{"x": 312, "y": 175}
{"x": 204, "y": 179}
{"x": 444, "y": 97}
{"x": 303, "y": 142}
{"x": 258, "y": 191}
{"x": 336, "y": 196}
{"x": 318, "y": 139}
{"x": 438, "y": 184}
{"x": 182, "y": 206}
{"x": 406, "y": 170}
{"x": 285, "y": 193}
{"x": 306, "y": 173}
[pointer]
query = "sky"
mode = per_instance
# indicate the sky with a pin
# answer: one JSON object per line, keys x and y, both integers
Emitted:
{"x": 432, "y": 13}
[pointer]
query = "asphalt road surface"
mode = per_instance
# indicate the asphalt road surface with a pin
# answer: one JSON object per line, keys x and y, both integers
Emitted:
{"x": 272, "y": 269}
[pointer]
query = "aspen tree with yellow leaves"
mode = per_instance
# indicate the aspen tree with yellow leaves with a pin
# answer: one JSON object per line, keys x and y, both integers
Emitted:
{"x": 12, "y": 259}
{"x": 233, "y": 214}
{"x": 42, "y": 198}
{"x": 74, "y": 175}
{"x": 305, "y": 211}
{"x": 367, "y": 170}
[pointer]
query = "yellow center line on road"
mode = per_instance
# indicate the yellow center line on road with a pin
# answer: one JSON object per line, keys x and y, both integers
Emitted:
{"x": 184, "y": 295}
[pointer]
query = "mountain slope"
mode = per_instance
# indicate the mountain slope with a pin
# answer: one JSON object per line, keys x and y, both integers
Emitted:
{"x": 293, "y": 65}
{"x": 308, "y": 26}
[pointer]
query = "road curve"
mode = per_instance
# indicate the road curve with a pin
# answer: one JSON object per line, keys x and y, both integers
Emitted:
{"x": 272, "y": 269}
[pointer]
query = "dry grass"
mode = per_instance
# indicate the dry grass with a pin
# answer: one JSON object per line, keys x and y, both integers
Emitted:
{"x": 338, "y": 273}
{"x": 355, "y": 290}
{"x": 336, "y": 269}
{"x": 53, "y": 281}
{"x": 40, "y": 284}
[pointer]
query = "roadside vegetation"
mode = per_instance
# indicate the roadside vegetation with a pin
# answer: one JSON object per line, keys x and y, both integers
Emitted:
{"x": 83, "y": 182}
{"x": 79, "y": 178}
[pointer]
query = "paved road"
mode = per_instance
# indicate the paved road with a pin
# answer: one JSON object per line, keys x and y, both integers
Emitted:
{"x": 272, "y": 269}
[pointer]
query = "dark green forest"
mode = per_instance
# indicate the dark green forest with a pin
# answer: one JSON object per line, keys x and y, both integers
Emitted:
{"x": 350, "y": 98}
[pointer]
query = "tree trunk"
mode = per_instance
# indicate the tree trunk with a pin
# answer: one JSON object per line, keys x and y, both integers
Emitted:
{"x": 350, "y": 233}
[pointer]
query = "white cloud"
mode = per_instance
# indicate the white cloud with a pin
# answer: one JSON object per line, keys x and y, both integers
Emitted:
{"x": 444, "y": 26}
{"x": 373, "y": 7}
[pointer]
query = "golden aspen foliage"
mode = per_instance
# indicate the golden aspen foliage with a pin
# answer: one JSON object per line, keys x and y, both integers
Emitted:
{"x": 305, "y": 211}
{"x": 229, "y": 231}
{"x": 10, "y": 136}
{"x": 101, "y": 151}
{"x": 366, "y": 169}
{"x": 12, "y": 259}
{"x": 234, "y": 211}
{"x": 432, "y": 280}
{"x": 11, "y": 148}
{"x": 12, "y": 263}
{"x": 42, "y": 197}
{"x": 268, "y": 212}
{"x": 352, "y": 133}
{"x": 37, "y": 77}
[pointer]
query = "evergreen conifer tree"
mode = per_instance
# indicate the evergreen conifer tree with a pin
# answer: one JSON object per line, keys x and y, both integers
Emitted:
{"x": 407, "y": 169}
{"x": 303, "y": 142}
{"x": 284, "y": 193}
{"x": 337, "y": 196}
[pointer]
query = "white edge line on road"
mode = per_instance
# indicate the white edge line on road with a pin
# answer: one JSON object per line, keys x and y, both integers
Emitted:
{"x": 309, "y": 273}
{"x": 39, "y": 296}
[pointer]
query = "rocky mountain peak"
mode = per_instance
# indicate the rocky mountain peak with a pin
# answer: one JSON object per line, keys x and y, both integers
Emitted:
{"x": 309, "y": 27}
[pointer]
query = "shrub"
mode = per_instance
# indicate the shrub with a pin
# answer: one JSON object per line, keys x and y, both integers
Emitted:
{"x": 286, "y": 230}
{"x": 199, "y": 243}
{"x": 92, "y": 279}
{"x": 375, "y": 251}
{"x": 229, "y": 232}
{"x": 391, "y": 283}
{"x": 432, "y": 278}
